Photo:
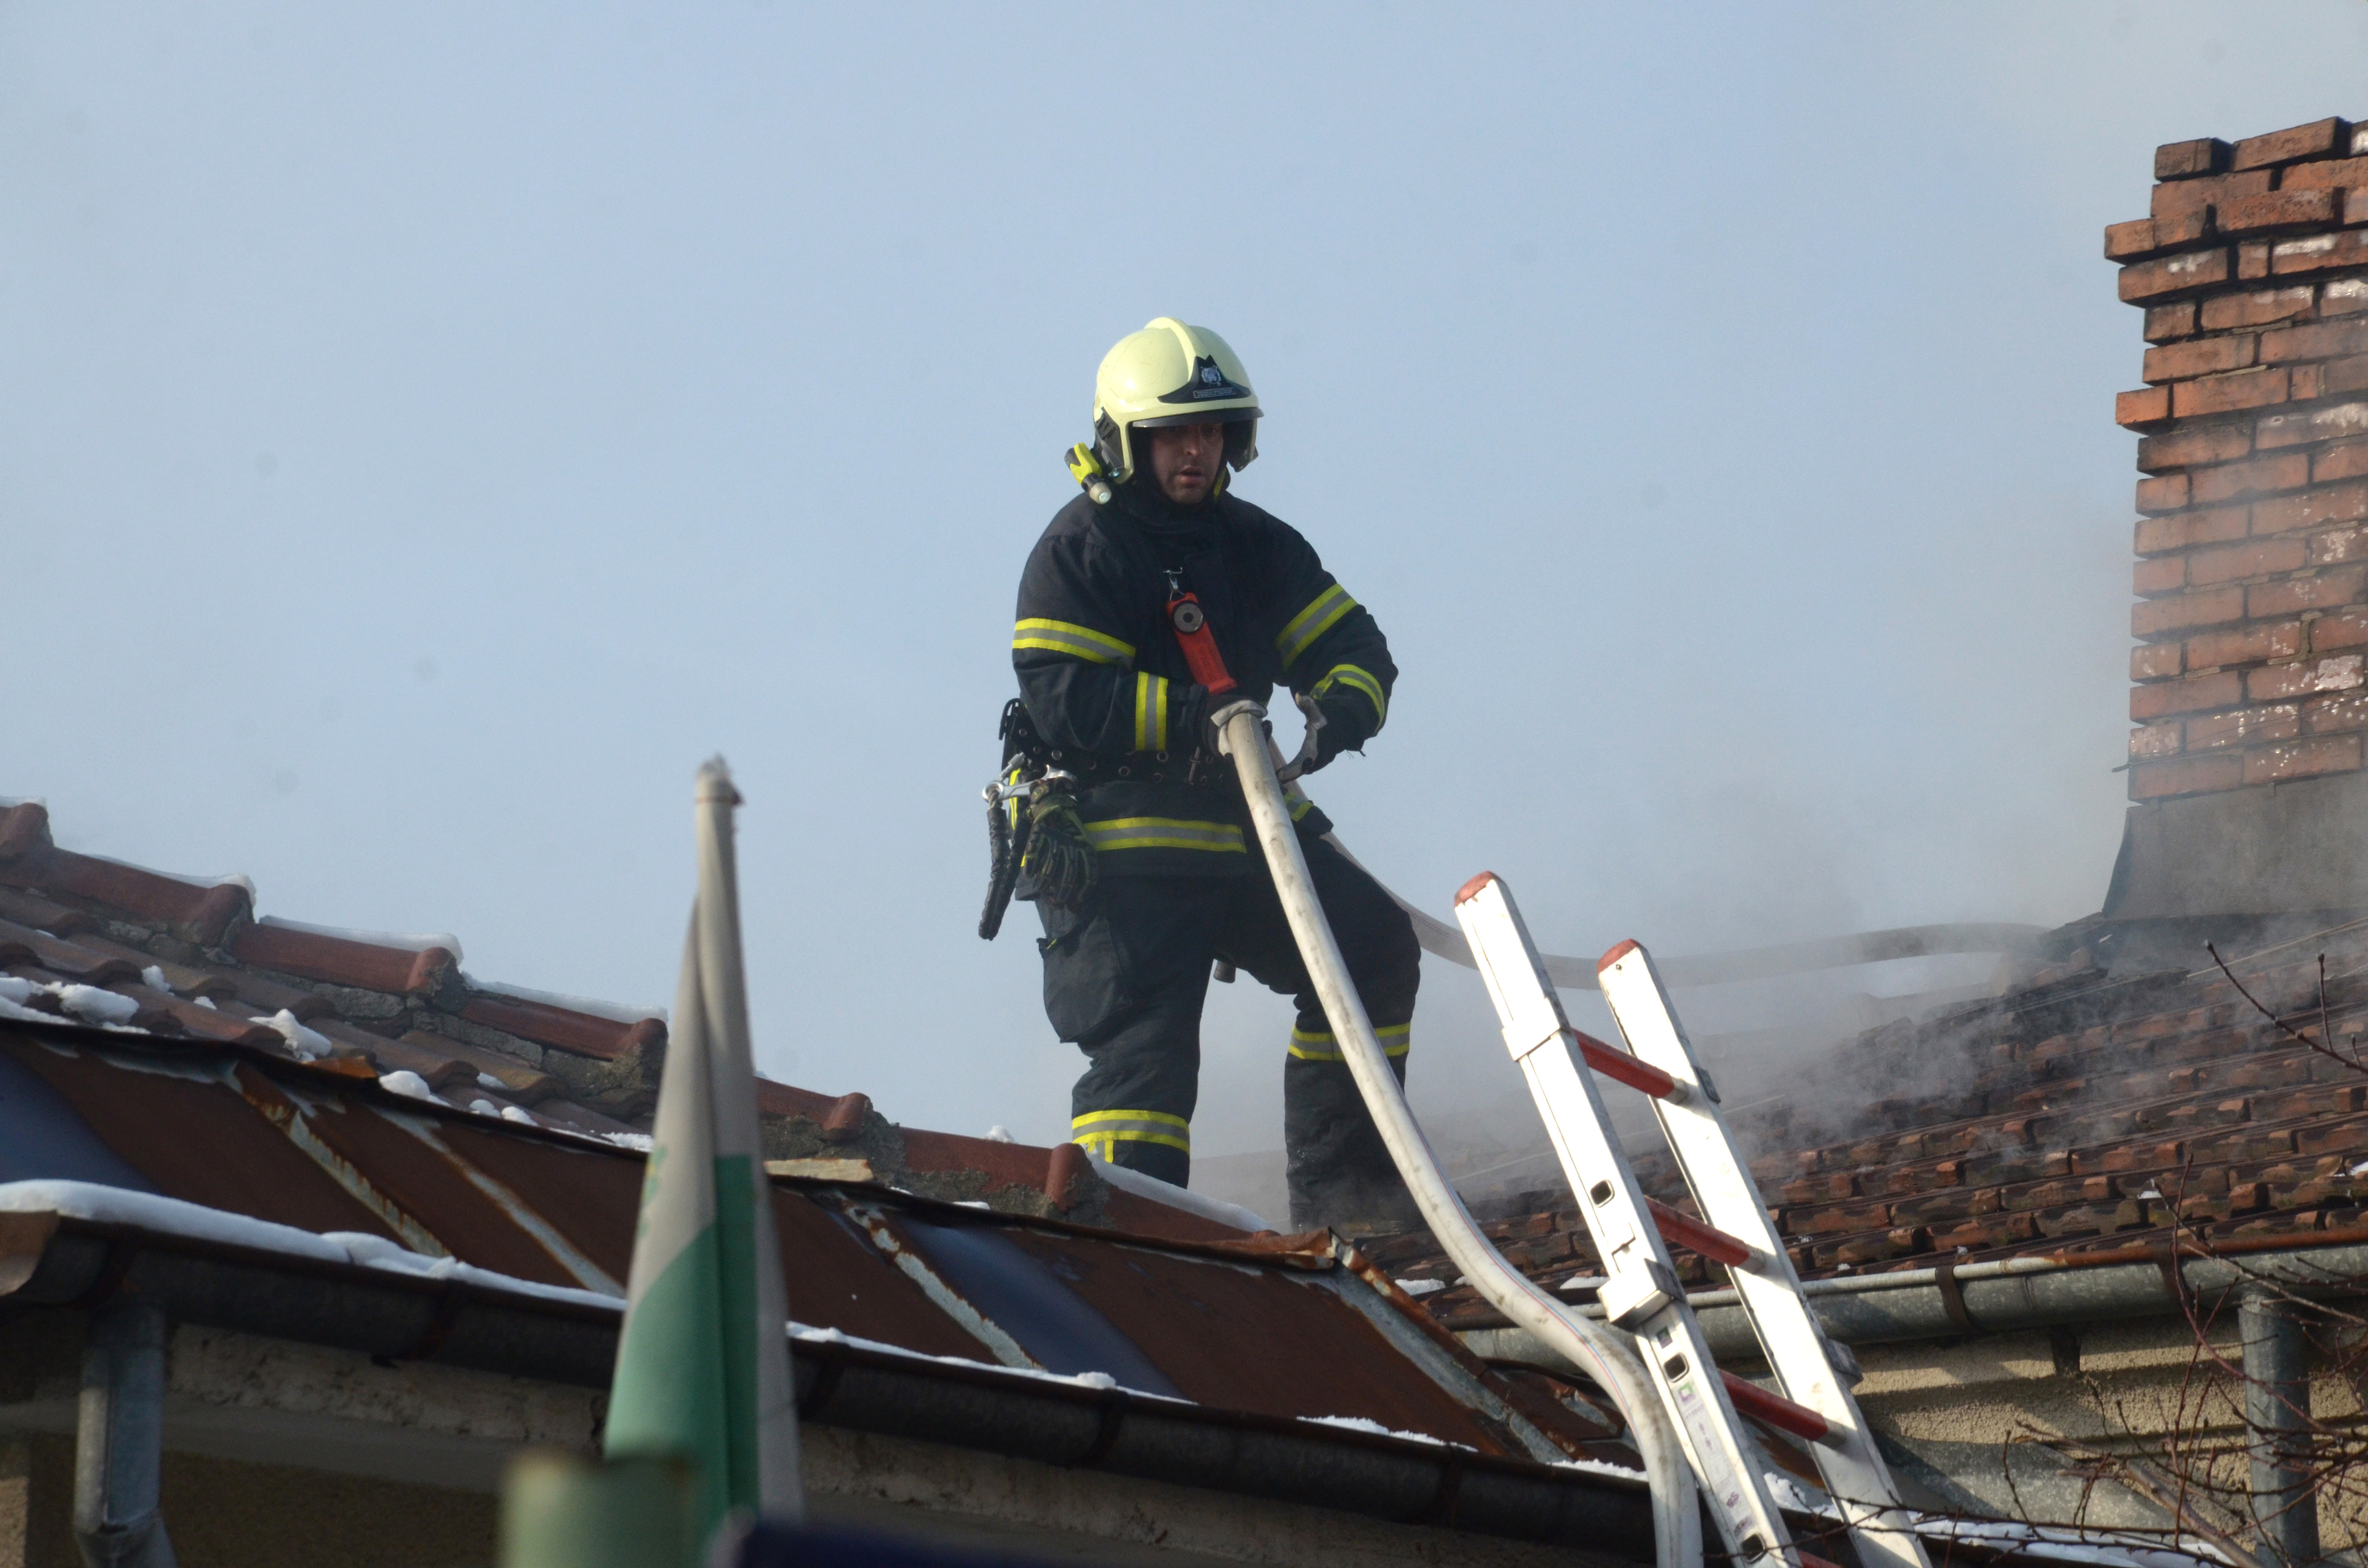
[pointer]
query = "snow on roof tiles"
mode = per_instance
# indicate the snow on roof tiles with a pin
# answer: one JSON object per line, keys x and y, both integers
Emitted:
{"x": 402, "y": 1004}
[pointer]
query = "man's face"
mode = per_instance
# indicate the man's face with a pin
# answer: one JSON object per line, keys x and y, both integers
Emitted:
{"x": 1186, "y": 460}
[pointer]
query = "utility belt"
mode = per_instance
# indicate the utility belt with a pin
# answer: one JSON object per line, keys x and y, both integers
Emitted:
{"x": 1025, "y": 747}
{"x": 1050, "y": 841}
{"x": 1039, "y": 782}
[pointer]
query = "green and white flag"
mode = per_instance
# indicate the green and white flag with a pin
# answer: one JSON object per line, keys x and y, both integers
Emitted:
{"x": 704, "y": 1363}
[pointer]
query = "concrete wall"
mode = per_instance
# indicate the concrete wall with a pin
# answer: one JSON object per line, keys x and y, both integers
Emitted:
{"x": 223, "y": 1514}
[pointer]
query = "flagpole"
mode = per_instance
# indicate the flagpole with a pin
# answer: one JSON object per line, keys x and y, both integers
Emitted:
{"x": 702, "y": 1363}
{"x": 752, "y": 1249}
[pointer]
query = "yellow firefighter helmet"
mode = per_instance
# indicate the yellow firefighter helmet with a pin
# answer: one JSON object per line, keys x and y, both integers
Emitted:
{"x": 1171, "y": 374}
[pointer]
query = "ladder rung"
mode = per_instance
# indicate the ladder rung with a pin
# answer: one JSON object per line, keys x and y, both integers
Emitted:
{"x": 1690, "y": 1234}
{"x": 1776, "y": 1410}
{"x": 1623, "y": 1068}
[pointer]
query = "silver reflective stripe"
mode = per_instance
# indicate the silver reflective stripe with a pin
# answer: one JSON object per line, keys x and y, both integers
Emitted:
{"x": 1321, "y": 613}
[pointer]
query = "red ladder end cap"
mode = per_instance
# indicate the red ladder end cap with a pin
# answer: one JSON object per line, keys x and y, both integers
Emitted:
{"x": 1615, "y": 955}
{"x": 1472, "y": 888}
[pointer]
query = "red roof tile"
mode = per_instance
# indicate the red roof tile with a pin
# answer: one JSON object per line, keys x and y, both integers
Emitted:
{"x": 580, "y": 1032}
{"x": 341, "y": 961}
{"x": 26, "y": 909}
{"x": 2090, "y": 1111}
{"x": 24, "y": 830}
{"x": 62, "y": 957}
{"x": 27, "y": 859}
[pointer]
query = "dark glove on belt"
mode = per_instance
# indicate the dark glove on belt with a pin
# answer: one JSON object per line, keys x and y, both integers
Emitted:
{"x": 1059, "y": 857}
{"x": 1347, "y": 719}
{"x": 1190, "y": 723}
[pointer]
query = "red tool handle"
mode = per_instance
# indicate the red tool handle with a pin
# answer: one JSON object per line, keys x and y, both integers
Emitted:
{"x": 1199, "y": 645}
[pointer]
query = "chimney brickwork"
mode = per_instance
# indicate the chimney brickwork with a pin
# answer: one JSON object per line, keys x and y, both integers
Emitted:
{"x": 2253, "y": 543}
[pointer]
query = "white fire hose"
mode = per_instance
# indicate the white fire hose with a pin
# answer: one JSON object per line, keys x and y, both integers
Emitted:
{"x": 1604, "y": 1353}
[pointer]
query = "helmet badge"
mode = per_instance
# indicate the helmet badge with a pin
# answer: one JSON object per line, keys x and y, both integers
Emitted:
{"x": 1206, "y": 382}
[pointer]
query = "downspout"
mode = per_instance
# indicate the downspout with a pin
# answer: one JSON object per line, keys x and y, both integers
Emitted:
{"x": 1596, "y": 1348}
{"x": 2277, "y": 1425}
{"x": 120, "y": 1438}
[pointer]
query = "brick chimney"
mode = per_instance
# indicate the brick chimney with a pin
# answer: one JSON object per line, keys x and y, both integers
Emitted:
{"x": 2253, "y": 546}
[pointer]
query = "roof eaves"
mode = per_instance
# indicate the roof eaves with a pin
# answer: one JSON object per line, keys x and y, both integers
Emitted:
{"x": 290, "y": 1288}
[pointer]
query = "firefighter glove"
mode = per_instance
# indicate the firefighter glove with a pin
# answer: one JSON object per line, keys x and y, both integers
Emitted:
{"x": 1207, "y": 707}
{"x": 1059, "y": 857}
{"x": 1348, "y": 721}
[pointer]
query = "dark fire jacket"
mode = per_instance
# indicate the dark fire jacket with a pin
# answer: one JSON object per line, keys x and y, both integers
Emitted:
{"x": 1106, "y": 681}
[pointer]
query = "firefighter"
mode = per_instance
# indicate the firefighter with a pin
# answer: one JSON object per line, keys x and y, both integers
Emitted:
{"x": 1145, "y": 869}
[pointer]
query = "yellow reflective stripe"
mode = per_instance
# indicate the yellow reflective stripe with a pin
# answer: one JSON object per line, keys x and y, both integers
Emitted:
{"x": 1110, "y": 1127}
{"x": 1065, "y": 637}
{"x": 1294, "y": 797}
{"x": 1320, "y": 615}
{"x": 1150, "y": 712}
{"x": 1358, "y": 680}
{"x": 1096, "y": 1118}
{"x": 1324, "y": 1046}
{"x": 1164, "y": 832}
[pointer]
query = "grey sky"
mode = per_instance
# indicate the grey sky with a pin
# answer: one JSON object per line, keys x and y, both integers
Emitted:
{"x": 426, "y": 432}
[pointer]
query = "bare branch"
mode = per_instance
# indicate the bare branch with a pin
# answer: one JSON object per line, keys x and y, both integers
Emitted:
{"x": 2291, "y": 1032}
{"x": 2140, "y": 1478}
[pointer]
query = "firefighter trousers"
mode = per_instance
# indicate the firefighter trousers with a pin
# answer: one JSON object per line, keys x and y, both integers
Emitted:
{"x": 1125, "y": 976}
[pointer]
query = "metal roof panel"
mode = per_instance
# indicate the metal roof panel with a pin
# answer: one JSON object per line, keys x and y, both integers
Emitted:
{"x": 1254, "y": 1339}
{"x": 183, "y": 1125}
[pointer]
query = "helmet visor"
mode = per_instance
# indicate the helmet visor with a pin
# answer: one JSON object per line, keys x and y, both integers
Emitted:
{"x": 1235, "y": 416}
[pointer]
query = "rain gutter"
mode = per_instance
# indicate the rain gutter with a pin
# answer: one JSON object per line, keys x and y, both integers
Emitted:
{"x": 47, "y": 1260}
{"x": 2008, "y": 1295}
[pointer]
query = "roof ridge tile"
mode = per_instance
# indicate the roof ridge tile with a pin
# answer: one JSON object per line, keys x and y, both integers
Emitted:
{"x": 341, "y": 961}
{"x": 582, "y": 1033}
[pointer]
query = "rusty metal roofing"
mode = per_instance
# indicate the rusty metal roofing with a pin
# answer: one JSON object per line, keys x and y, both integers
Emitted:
{"x": 193, "y": 960}
{"x": 1282, "y": 1328}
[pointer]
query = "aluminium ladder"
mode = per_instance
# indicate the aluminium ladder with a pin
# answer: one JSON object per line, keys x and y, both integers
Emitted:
{"x": 1640, "y": 1293}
